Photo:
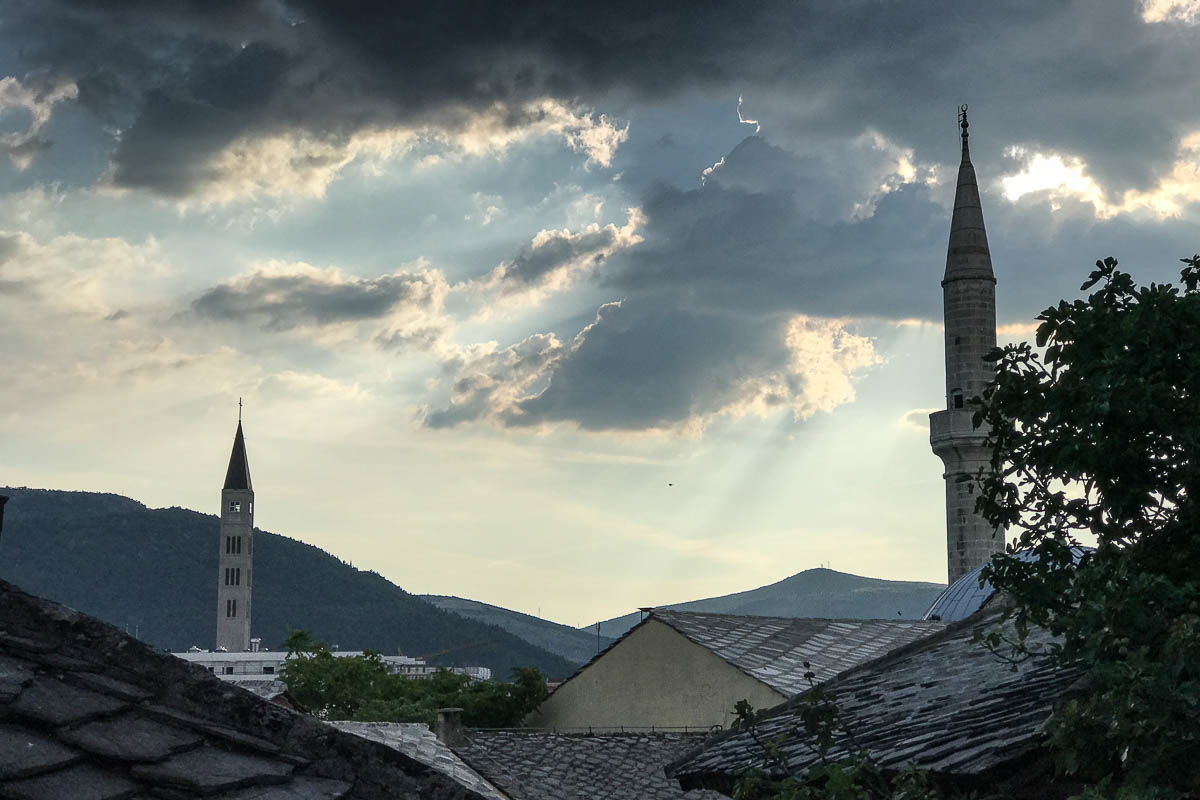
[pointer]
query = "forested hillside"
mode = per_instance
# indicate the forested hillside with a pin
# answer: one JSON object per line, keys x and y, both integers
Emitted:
{"x": 154, "y": 571}
{"x": 575, "y": 645}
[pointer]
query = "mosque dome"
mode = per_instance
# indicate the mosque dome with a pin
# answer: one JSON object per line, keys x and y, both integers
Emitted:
{"x": 965, "y": 596}
{"x": 960, "y": 599}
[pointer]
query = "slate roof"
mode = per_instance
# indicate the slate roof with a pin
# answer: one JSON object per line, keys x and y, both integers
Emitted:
{"x": 89, "y": 713}
{"x": 774, "y": 649}
{"x": 944, "y": 704}
{"x": 416, "y": 740}
{"x": 238, "y": 474}
{"x": 540, "y": 765}
{"x": 274, "y": 690}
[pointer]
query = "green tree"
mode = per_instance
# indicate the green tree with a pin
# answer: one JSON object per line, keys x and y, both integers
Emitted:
{"x": 1096, "y": 444}
{"x": 854, "y": 777}
{"x": 361, "y": 688}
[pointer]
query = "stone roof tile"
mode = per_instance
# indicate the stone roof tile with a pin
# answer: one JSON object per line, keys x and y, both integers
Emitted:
{"x": 51, "y": 701}
{"x": 24, "y": 752}
{"x": 131, "y": 737}
{"x": 210, "y": 769}
{"x": 81, "y": 782}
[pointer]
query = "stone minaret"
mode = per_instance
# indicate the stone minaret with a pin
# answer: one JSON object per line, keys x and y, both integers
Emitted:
{"x": 234, "y": 577}
{"x": 969, "y": 298}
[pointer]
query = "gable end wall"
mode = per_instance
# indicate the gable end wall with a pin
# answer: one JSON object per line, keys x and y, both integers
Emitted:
{"x": 654, "y": 677}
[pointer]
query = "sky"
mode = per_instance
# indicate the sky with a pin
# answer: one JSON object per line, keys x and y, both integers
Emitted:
{"x": 569, "y": 308}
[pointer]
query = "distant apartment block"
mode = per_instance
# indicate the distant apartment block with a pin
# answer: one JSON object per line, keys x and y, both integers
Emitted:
{"x": 267, "y": 664}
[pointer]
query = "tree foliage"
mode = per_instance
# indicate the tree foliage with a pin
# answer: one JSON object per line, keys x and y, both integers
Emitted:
{"x": 854, "y": 777}
{"x": 1096, "y": 444}
{"x": 361, "y": 688}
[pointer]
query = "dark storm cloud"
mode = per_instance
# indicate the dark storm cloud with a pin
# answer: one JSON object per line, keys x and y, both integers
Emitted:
{"x": 285, "y": 301}
{"x": 536, "y": 262}
{"x": 640, "y": 366}
{"x": 763, "y": 234}
{"x": 183, "y": 79}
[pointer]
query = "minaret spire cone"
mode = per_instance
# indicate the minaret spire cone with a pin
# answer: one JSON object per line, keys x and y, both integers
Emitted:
{"x": 969, "y": 302}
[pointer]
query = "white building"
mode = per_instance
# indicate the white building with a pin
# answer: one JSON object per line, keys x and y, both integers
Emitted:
{"x": 266, "y": 664}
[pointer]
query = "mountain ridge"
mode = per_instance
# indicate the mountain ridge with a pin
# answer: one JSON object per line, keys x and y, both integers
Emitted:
{"x": 818, "y": 592}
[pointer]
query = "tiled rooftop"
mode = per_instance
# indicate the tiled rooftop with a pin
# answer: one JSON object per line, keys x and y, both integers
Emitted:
{"x": 416, "y": 740}
{"x": 539, "y": 765}
{"x": 774, "y": 649}
{"x": 945, "y": 704}
{"x": 89, "y": 713}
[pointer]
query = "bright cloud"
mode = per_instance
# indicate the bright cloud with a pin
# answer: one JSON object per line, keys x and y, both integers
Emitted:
{"x": 1065, "y": 177}
{"x": 300, "y": 166}
{"x": 825, "y": 358}
{"x": 1185, "y": 11}
{"x": 77, "y": 274}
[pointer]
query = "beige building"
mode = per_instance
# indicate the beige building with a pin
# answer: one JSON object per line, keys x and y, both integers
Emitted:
{"x": 683, "y": 670}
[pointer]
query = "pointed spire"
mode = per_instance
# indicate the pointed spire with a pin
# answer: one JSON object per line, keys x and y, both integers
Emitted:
{"x": 238, "y": 474}
{"x": 968, "y": 255}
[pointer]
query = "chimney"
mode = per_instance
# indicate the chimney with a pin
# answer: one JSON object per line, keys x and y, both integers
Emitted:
{"x": 449, "y": 728}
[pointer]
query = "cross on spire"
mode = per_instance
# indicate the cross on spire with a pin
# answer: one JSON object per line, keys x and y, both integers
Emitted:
{"x": 239, "y": 409}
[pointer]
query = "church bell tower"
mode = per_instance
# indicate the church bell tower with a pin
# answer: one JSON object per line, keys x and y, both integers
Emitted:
{"x": 969, "y": 301}
{"x": 234, "y": 576}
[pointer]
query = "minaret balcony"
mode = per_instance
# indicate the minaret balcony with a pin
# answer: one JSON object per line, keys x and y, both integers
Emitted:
{"x": 954, "y": 425}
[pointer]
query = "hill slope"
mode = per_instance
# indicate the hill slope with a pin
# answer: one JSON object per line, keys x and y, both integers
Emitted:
{"x": 577, "y": 646}
{"x": 811, "y": 593}
{"x": 155, "y": 571}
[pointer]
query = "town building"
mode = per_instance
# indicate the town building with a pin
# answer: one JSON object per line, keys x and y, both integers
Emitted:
{"x": 687, "y": 671}
{"x": 267, "y": 664}
{"x": 944, "y": 704}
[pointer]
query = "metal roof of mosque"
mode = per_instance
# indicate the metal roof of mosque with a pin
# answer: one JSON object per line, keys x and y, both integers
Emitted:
{"x": 960, "y": 599}
{"x": 87, "y": 711}
{"x": 967, "y": 595}
{"x": 774, "y": 649}
{"x": 944, "y": 704}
